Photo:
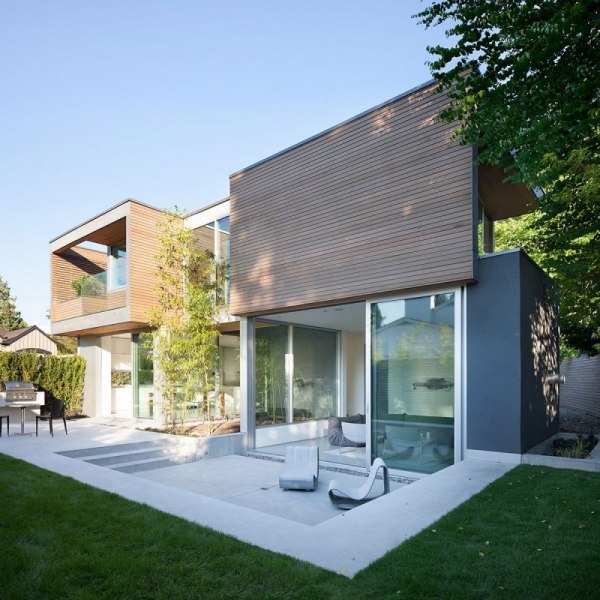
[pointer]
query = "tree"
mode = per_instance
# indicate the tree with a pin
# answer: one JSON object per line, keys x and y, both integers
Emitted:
{"x": 65, "y": 344}
{"x": 524, "y": 87}
{"x": 189, "y": 299}
{"x": 10, "y": 317}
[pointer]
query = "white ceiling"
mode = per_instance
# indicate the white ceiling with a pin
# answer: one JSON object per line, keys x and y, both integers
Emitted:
{"x": 343, "y": 317}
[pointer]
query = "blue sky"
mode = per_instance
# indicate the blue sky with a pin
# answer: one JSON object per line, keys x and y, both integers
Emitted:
{"x": 161, "y": 101}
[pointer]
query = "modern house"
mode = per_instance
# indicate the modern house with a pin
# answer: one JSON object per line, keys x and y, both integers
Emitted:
{"x": 363, "y": 282}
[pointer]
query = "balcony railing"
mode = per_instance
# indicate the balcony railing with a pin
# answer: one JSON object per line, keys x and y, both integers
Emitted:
{"x": 92, "y": 297}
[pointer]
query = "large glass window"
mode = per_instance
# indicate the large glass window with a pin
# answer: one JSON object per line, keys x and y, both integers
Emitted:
{"x": 229, "y": 375}
{"x": 296, "y": 374}
{"x": 270, "y": 373}
{"x": 412, "y": 381}
{"x": 215, "y": 238}
{"x": 222, "y": 253}
{"x": 117, "y": 266}
{"x": 315, "y": 373}
{"x": 485, "y": 231}
{"x": 143, "y": 373}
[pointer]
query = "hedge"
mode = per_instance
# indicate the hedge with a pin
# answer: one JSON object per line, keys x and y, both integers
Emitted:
{"x": 59, "y": 376}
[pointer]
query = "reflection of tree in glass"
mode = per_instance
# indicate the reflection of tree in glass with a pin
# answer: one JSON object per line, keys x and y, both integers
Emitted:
{"x": 270, "y": 376}
{"x": 424, "y": 339}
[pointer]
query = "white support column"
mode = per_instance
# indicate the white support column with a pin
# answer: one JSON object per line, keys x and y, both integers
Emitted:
{"x": 104, "y": 377}
{"x": 96, "y": 390}
{"x": 247, "y": 400}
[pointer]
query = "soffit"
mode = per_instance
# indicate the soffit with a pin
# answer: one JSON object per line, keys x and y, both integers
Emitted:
{"x": 107, "y": 229}
{"x": 503, "y": 199}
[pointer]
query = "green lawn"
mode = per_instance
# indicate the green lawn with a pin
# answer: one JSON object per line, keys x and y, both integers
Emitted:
{"x": 535, "y": 533}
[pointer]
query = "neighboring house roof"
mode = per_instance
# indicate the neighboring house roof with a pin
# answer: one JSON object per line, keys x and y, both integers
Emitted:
{"x": 9, "y": 339}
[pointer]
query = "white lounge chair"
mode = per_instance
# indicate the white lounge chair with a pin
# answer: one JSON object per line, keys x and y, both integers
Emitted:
{"x": 346, "y": 497}
{"x": 301, "y": 468}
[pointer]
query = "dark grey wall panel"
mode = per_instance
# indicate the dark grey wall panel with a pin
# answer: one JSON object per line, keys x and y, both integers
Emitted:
{"x": 539, "y": 355}
{"x": 493, "y": 356}
{"x": 512, "y": 345}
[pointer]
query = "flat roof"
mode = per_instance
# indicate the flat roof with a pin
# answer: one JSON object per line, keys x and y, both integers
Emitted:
{"x": 103, "y": 213}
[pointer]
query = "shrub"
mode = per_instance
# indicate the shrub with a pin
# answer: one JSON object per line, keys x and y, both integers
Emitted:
{"x": 60, "y": 377}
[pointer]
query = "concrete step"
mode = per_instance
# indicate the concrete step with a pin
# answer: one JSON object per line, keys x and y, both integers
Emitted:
{"x": 137, "y": 467}
{"x": 139, "y": 456}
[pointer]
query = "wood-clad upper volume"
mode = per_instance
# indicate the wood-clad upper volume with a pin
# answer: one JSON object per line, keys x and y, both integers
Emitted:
{"x": 130, "y": 224}
{"x": 382, "y": 203}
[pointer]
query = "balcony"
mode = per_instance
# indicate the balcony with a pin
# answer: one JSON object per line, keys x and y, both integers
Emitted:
{"x": 93, "y": 295}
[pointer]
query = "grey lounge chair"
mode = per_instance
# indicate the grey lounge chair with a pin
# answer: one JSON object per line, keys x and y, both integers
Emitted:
{"x": 346, "y": 497}
{"x": 301, "y": 468}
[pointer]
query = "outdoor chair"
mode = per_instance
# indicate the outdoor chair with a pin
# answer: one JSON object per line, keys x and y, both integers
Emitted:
{"x": 57, "y": 411}
{"x": 355, "y": 432}
{"x": 301, "y": 468}
{"x": 7, "y": 417}
{"x": 347, "y": 497}
{"x": 354, "y": 436}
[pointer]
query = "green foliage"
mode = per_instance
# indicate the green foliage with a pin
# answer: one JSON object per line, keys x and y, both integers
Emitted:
{"x": 524, "y": 84}
{"x": 63, "y": 378}
{"x": 578, "y": 447}
{"x": 189, "y": 299}
{"x": 59, "y": 376}
{"x": 118, "y": 378}
{"x": 10, "y": 317}
{"x": 65, "y": 344}
{"x": 90, "y": 286}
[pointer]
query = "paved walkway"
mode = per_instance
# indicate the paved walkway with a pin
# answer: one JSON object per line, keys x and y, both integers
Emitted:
{"x": 239, "y": 495}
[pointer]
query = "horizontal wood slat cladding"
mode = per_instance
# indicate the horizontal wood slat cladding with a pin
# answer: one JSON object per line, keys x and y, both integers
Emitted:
{"x": 116, "y": 298}
{"x": 143, "y": 243}
{"x": 380, "y": 204}
{"x": 68, "y": 266}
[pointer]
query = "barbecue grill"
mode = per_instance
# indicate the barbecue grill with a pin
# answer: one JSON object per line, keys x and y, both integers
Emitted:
{"x": 19, "y": 391}
{"x": 21, "y": 394}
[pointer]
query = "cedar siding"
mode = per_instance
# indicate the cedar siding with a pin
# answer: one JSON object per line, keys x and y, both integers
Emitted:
{"x": 66, "y": 268}
{"x": 379, "y": 204}
{"x": 121, "y": 309}
{"x": 143, "y": 244}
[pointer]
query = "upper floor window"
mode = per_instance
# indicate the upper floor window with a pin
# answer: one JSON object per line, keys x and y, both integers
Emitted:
{"x": 117, "y": 266}
{"x": 485, "y": 231}
{"x": 215, "y": 237}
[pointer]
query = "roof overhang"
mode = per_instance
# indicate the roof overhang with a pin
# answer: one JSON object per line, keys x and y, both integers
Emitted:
{"x": 503, "y": 199}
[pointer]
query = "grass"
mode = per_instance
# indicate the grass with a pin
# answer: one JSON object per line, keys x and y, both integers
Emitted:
{"x": 532, "y": 534}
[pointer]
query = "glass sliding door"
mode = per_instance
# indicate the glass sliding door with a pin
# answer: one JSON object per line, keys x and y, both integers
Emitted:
{"x": 315, "y": 373}
{"x": 296, "y": 373}
{"x": 413, "y": 382}
{"x": 143, "y": 375}
{"x": 271, "y": 383}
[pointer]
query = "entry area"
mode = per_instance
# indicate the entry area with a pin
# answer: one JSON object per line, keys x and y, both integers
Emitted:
{"x": 362, "y": 381}
{"x": 309, "y": 367}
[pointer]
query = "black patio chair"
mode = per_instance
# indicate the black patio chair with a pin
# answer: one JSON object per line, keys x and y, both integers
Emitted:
{"x": 7, "y": 417}
{"x": 57, "y": 411}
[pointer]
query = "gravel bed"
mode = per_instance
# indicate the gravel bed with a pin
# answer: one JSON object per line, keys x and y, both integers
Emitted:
{"x": 579, "y": 422}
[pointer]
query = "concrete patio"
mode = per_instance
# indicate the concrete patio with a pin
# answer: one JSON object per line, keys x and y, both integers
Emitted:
{"x": 240, "y": 495}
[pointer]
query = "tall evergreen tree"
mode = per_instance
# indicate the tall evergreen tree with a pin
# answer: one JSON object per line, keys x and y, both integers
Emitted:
{"x": 10, "y": 317}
